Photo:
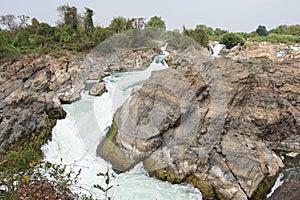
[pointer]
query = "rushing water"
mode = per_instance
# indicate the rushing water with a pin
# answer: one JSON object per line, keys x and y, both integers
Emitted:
{"x": 76, "y": 137}
{"x": 216, "y": 48}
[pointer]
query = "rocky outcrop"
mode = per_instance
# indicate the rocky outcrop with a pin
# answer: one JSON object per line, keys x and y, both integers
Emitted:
{"x": 33, "y": 87}
{"x": 273, "y": 52}
{"x": 210, "y": 123}
{"x": 29, "y": 104}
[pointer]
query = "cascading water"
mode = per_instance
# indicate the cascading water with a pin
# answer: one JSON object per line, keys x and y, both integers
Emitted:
{"x": 76, "y": 137}
{"x": 216, "y": 48}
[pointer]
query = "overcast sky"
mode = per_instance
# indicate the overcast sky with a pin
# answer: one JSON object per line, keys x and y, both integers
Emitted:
{"x": 233, "y": 15}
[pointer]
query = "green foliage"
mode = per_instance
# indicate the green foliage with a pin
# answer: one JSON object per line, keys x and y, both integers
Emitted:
{"x": 45, "y": 30}
{"x": 6, "y": 49}
{"x": 199, "y": 34}
{"x": 69, "y": 15}
{"x": 100, "y": 34}
{"x": 107, "y": 178}
{"x": 21, "y": 169}
{"x": 232, "y": 39}
{"x": 262, "y": 31}
{"x": 77, "y": 33}
{"x": 22, "y": 39}
{"x": 287, "y": 30}
{"x": 277, "y": 38}
{"x": 118, "y": 24}
{"x": 219, "y": 32}
{"x": 88, "y": 23}
{"x": 156, "y": 22}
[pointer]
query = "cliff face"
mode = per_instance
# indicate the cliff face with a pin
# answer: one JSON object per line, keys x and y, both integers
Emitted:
{"x": 210, "y": 123}
{"x": 29, "y": 103}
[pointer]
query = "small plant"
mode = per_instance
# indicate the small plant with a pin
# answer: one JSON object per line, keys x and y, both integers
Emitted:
{"x": 107, "y": 176}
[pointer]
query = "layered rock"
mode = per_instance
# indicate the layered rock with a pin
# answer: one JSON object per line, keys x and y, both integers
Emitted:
{"x": 176, "y": 124}
{"x": 29, "y": 104}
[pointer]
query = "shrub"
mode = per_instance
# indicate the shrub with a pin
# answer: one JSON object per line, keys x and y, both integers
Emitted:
{"x": 262, "y": 31}
{"x": 232, "y": 39}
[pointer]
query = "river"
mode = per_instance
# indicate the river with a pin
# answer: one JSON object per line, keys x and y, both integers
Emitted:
{"x": 76, "y": 138}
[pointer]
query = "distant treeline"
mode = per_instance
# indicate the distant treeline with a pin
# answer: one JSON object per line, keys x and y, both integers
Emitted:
{"x": 76, "y": 32}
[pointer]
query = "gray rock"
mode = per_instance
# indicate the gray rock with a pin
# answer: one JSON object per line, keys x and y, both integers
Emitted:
{"x": 172, "y": 124}
{"x": 98, "y": 89}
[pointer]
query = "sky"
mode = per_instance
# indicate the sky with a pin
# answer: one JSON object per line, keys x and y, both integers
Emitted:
{"x": 232, "y": 15}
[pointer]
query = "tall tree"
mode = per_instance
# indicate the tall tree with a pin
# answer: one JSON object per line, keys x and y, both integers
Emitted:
{"x": 23, "y": 20}
{"x": 88, "y": 23}
{"x": 200, "y": 36}
{"x": 69, "y": 15}
{"x": 9, "y": 21}
{"x": 156, "y": 22}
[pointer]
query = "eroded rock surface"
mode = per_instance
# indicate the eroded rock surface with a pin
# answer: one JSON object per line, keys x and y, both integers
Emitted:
{"x": 29, "y": 103}
{"x": 175, "y": 125}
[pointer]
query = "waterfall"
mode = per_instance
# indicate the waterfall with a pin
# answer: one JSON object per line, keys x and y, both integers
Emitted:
{"x": 216, "y": 48}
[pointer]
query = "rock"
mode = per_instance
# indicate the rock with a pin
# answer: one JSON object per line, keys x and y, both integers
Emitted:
{"x": 176, "y": 124}
{"x": 28, "y": 107}
{"x": 264, "y": 50}
{"x": 288, "y": 191}
{"x": 98, "y": 89}
{"x": 138, "y": 59}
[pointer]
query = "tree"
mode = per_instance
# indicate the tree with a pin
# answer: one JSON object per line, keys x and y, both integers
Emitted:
{"x": 101, "y": 34}
{"x": 232, "y": 39}
{"x": 6, "y": 50}
{"x": 34, "y": 25}
{"x": 218, "y": 32}
{"x": 156, "y": 22}
{"x": 45, "y": 30}
{"x": 23, "y": 20}
{"x": 69, "y": 15}
{"x": 136, "y": 23}
{"x": 118, "y": 24}
{"x": 9, "y": 21}
{"x": 22, "y": 39}
{"x": 88, "y": 23}
{"x": 262, "y": 31}
{"x": 200, "y": 36}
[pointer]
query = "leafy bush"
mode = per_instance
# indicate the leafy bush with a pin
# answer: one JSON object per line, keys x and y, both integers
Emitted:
{"x": 262, "y": 31}
{"x": 232, "y": 39}
{"x": 156, "y": 22}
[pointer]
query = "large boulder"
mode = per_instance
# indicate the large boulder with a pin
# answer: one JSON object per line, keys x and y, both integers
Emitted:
{"x": 176, "y": 124}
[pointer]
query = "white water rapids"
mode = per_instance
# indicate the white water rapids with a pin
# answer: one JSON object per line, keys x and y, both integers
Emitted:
{"x": 76, "y": 138}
